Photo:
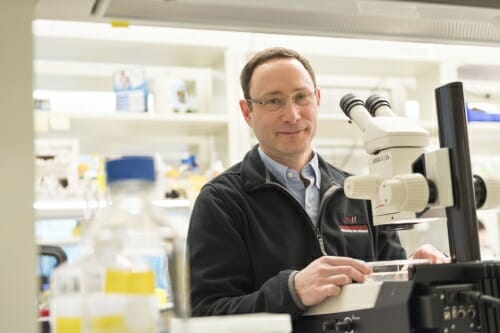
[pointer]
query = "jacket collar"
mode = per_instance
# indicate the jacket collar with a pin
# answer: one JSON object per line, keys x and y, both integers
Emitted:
{"x": 254, "y": 173}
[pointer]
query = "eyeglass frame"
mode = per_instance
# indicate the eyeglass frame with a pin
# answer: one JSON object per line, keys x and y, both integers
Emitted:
{"x": 263, "y": 103}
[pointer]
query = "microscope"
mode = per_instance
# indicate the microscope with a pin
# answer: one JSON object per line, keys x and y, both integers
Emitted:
{"x": 407, "y": 180}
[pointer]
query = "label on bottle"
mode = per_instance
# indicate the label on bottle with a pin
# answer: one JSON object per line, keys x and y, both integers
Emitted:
{"x": 68, "y": 325}
{"x": 125, "y": 282}
{"x": 108, "y": 324}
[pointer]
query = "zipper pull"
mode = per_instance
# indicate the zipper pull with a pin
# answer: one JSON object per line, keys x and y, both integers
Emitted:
{"x": 320, "y": 241}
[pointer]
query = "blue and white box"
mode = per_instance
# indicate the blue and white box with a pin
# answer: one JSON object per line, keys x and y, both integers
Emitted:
{"x": 482, "y": 112}
{"x": 131, "y": 90}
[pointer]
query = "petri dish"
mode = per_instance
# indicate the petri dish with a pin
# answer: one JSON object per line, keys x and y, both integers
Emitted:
{"x": 393, "y": 270}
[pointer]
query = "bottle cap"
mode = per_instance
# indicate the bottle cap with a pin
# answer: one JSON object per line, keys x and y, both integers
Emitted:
{"x": 130, "y": 168}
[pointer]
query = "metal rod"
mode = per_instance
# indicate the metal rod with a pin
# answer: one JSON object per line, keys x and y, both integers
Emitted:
{"x": 462, "y": 220}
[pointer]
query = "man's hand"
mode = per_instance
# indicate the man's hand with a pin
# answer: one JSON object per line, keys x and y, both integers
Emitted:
{"x": 429, "y": 252}
{"x": 325, "y": 276}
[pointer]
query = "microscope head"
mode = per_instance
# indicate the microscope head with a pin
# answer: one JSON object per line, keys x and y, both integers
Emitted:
{"x": 395, "y": 143}
{"x": 381, "y": 128}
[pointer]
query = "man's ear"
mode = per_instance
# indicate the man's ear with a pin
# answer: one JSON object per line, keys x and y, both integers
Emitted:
{"x": 318, "y": 95}
{"x": 246, "y": 112}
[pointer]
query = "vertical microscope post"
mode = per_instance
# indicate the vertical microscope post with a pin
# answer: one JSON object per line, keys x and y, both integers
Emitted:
{"x": 462, "y": 219}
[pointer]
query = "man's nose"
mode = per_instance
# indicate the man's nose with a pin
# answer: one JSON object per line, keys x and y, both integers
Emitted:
{"x": 290, "y": 112}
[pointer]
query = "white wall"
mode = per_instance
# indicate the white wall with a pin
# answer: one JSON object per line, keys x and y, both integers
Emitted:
{"x": 17, "y": 247}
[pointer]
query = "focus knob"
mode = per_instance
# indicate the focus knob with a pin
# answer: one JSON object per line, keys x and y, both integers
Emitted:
{"x": 408, "y": 193}
{"x": 361, "y": 187}
{"x": 492, "y": 199}
{"x": 344, "y": 325}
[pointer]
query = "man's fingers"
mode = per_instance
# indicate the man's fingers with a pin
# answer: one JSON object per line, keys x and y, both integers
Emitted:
{"x": 346, "y": 261}
{"x": 351, "y": 272}
{"x": 326, "y": 275}
{"x": 340, "y": 280}
{"x": 332, "y": 290}
{"x": 429, "y": 252}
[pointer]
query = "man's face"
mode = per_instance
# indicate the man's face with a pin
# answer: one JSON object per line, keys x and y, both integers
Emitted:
{"x": 284, "y": 134}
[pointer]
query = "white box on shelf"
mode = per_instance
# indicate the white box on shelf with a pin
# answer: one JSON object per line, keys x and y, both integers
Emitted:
{"x": 56, "y": 168}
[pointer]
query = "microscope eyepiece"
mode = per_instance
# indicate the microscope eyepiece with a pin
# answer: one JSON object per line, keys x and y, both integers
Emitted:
{"x": 373, "y": 102}
{"x": 348, "y": 102}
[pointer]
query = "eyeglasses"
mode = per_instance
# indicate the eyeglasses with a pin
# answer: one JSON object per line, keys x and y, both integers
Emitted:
{"x": 302, "y": 98}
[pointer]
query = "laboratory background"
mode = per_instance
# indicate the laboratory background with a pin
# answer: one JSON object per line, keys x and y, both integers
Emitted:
{"x": 88, "y": 80}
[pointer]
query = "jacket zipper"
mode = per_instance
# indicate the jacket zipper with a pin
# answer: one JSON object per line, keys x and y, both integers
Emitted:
{"x": 320, "y": 241}
{"x": 328, "y": 194}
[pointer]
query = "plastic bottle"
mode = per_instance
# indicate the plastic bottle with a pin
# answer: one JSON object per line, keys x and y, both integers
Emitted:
{"x": 112, "y": 288}
{"x": 67, "y": 302}
{"x": 126, "y": 241}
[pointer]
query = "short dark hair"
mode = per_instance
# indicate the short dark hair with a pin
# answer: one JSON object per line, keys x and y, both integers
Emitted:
{"x": 266, "y": 55}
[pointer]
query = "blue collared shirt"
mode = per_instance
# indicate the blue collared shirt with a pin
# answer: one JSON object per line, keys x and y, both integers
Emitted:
{"x": 308, "y": 196}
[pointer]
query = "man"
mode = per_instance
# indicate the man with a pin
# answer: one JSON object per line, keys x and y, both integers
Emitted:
{"x": 268, "y": 234}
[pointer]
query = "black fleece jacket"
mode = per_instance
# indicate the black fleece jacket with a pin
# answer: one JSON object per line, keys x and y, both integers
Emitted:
{"x": 248, "y": 233}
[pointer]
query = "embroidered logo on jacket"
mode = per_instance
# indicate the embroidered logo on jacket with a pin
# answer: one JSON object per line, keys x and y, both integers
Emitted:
{"x": 350, "y": 219}
{"x": 350, "y": 225}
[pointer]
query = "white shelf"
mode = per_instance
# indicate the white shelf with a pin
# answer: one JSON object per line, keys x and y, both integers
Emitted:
{"x": 116, "y": 123}
{"x": 173, "y": 203}
{"x": 482, "y": 138}
{"x": 338, "y": 127}
{"x": 483, "y": 129}
{"x": 99, "y": 42}
{"x": 130, "y": 132}
{"x": 77, "y": 209}
{"x": 59, "y": 242}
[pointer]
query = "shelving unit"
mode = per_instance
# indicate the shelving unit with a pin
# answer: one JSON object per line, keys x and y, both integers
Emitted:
{"x": 81, "y": 57}
{"x": 74, "y": 64}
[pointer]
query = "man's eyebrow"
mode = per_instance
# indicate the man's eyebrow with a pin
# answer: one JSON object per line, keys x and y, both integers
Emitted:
{"x": 273, "y": 93}
{"x": 279, "y": 92}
